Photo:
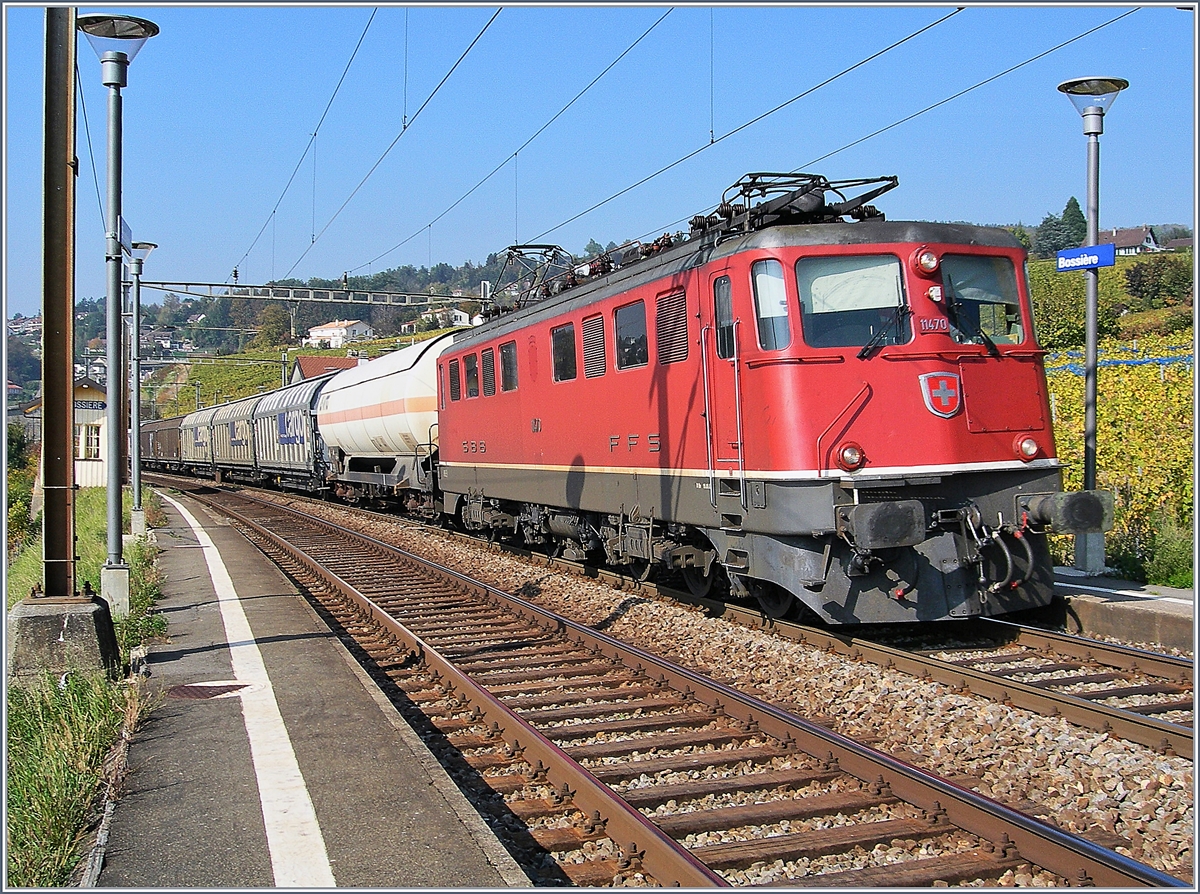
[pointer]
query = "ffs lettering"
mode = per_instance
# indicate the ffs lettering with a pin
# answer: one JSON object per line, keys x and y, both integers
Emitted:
{"x": 652, "y": 443}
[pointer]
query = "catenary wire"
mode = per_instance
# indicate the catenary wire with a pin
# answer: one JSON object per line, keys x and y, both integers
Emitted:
{"x": 392, "y": 145}
{"x": 752, "y": 122}
{"x": 855, "y": 142}
{"x": 907, "y": 118}
{"x": 512, "y": 157}
{"x": 311, "y": 140}
{"x": 91, "y": 154}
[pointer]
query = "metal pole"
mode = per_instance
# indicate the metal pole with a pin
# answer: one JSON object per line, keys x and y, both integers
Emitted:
{"x": 58, "y": 306}
{"x": 113, "y": 71}
{"x": 1093, "y": 126}
{"x": 135, "y": 326}
{"x": 1089, "y": 548}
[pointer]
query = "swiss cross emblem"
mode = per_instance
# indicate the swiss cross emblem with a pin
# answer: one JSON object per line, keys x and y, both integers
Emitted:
{"x": 942, "y": 392}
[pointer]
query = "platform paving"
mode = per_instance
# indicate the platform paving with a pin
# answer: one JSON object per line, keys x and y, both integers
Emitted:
{"x": 1143, "y": 613}
{"x": 213, "y": 799}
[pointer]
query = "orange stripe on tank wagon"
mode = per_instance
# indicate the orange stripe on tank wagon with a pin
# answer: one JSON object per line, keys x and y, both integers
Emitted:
{"x": 378, "y": 411}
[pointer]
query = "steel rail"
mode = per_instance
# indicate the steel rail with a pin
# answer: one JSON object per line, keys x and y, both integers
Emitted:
{"x": 1076, "y": 859}
{"x": 1161, "y": 735}
{"x": 661, "y": 856}
{"x": 1169, "y": 667}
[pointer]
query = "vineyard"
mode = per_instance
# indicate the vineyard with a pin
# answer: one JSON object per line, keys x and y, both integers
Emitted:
{"x": 1144, "y": 449}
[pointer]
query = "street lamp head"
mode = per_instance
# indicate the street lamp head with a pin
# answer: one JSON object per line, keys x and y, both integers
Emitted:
{"x": 108, "y": 33}
{"x": 1093, "y": 92}
{"x": 141, "y": 250}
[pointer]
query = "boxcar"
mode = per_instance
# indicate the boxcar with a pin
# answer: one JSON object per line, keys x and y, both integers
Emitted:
{"x": 195, "y": 441}
{"x": 286, "y": 443}
{"x": 160, "y": 444}
{"x": 233, "y": 438}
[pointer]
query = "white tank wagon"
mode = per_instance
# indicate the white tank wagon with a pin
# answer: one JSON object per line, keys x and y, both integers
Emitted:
{"x": 379, "y": 422}
{"x": 287, "y": 444}
{"x": 195, "y": 441}
{"x": 233, "y": 437}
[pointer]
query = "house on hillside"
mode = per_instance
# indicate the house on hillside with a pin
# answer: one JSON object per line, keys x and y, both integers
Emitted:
{"x": 337, "y": 333}
{"x": 311, "y": 367}
{"x": 1183, "y": 244}
{"x": 1133, "y": 241}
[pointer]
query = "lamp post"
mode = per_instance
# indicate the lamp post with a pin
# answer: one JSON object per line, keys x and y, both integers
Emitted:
{"x": 116, "y": 40}
{"x": 141, "y": 251}
{"x": 1091, "y": 97}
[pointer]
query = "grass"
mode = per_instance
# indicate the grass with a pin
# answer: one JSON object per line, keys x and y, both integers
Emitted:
{"x": 61, "y": 732}
{"x": 59, "y": 736}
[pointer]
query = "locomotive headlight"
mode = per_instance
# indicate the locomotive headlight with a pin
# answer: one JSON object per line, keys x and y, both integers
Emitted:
{"x": 1026, "y": 447}
{"x": 850, "y": 456}
{"x": 926, "y": 261}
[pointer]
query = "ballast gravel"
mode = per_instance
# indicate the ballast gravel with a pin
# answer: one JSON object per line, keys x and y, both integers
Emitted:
{"x": 1119, "y": 793}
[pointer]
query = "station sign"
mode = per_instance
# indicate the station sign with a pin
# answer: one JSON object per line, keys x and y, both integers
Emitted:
{"x": 1087, "y": 257}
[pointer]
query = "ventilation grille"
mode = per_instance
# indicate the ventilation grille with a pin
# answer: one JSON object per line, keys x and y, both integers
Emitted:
{"x": 594, "y": 359}
{"x": 489, "y": 372}
{"x": 671, "y": 320}
{"x": 455, "y": 385}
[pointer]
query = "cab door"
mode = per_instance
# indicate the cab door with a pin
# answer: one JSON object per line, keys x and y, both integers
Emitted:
{"x": 721, "y": 353}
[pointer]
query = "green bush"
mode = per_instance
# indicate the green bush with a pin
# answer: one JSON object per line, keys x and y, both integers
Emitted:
{"x": 1171, "y": 562}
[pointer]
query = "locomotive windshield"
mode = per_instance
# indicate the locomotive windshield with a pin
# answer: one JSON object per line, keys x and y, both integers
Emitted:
{"x": 981, "y": 294}
{"x": 852, "y": 301}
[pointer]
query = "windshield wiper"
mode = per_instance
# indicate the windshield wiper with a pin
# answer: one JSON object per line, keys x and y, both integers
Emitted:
{"x": 960, "y": 317}
{"x": 898, "y": 315}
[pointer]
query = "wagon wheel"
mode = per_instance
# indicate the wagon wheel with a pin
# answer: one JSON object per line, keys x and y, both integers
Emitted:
{"x": 641, "y": 570}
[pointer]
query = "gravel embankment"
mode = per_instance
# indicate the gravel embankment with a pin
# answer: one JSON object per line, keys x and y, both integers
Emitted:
{"x": 1089, "y": 783}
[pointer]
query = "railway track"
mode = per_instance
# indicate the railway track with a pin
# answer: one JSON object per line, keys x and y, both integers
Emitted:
{"x": 1141, "y": 696}
{"x": 633, "y": 769}
{"x": 1144, "y": 697}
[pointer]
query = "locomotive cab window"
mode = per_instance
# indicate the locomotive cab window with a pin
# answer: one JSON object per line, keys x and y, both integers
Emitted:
{"x": 770, "y": 305}
{"x": 849, "y": 302}
{"x": 562, "y": 347}
{"x": 723, "y": 317}
{"x": 471, "y": 368}
{"x": 981, "y": 299}
{"x": 632, "y": 346}
{"x": 508, "y": 366}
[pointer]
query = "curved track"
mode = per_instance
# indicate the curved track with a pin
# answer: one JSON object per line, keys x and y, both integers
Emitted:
{"x": 622, "y": 763}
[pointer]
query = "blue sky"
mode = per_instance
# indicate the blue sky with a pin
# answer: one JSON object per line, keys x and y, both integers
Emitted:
{"x": 221, "y": 105}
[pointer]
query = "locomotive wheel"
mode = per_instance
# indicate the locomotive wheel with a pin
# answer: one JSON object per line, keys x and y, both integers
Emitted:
{"x": 773, "y": 599}
{"x": 698, "y": 583}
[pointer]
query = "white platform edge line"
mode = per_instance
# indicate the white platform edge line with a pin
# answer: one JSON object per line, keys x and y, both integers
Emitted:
{"x": 298, "y": 855}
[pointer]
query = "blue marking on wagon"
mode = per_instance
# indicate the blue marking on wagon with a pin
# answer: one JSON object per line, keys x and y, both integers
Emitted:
{"x": 290, "y": 429}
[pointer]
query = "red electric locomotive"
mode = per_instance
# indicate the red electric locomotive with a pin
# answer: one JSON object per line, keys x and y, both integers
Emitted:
{"x": 848, "y": 417}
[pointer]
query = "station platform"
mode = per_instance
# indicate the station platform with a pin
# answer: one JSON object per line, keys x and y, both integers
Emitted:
{"x": 272, "y": 761}
{"x": 1142, "y": 613}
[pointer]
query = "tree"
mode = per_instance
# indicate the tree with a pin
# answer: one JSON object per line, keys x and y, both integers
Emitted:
{"x": 1052, "y": 236}
{"x": 24, "y": 366}
{"x": 1022, "y": 235}
{"x": 275, "y": 326}
{"x": 1075, "y": 223}
{"x": 593, "y": 248}
{"x": 18, "y": 446}
{"x": 1160, "y": 281}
